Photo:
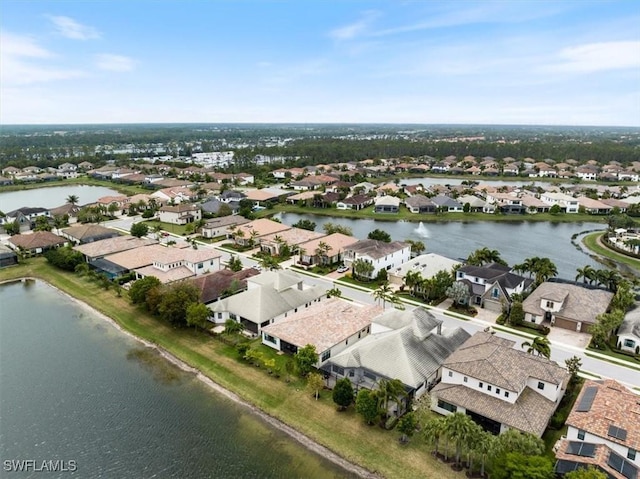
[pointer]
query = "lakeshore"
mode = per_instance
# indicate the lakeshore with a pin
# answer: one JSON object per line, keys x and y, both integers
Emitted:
{"x": 316, "y": 424}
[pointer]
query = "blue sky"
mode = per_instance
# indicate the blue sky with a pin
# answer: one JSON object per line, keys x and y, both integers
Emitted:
{"x": 320, "y": 61}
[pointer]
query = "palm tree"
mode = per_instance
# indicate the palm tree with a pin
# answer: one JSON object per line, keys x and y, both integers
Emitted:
{"x": 484, "y": 444}
{"x": 459, "y": 428}
{"x": 390, "y": 389}
{"x": 587, "y": 273}
{"x": 233, "y": 327}
{"x": 385, "y": 293}
{"x": 545, "y": 269}
{"x": 73, "y": 199}
{"x": 608, "y": 278}
{"x": 433, "y": 430}
{"x": 362, "y": 269}
{"x": 321, "y": 252}
{"x": 540, "y": 346}
{"x": 411, "y": 280}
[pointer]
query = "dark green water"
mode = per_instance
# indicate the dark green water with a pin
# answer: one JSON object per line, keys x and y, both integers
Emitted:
{"x": 73, "y": 388}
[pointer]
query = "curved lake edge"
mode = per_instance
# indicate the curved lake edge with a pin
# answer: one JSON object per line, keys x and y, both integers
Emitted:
{"x": 301, "y": 438}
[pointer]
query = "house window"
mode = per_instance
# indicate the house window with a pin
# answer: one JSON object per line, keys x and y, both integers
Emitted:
{"x": 497, "y": 390}
{"x": 550, "y": 304}
{"x": 352, "y": 373}
{"x": 533, "y": 318}
{"x": 219, "y": 315}
{"x": 450, "y": 374}
{"x": 464, "y": 379}
{"x": 489, "y": 387}
{"x": 581, "y": 434}
{"x": 495, "y": 293}
{"x": 268, "y": 337}
{"x": 338, "y": 370}
{"x": 540, "y": 385}
{"x": 506, "y": 394}
{"x": 368, "y": 375}
{"x": 631, "y": 454}
{"x": 447, "y": 406}
{"x": 480, "y": 385}
{"x": 232, "y": 316}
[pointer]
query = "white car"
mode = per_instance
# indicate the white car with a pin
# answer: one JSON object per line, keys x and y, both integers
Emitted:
{"x": 342, "y": 269}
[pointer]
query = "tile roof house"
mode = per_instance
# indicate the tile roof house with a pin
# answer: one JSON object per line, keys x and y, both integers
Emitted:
{"x": 36, "y": 242}
{"x": 25, "y": 216}
{"x": 181, "y": 263}
{"x": 270, "y": 297}
{"x": 222, "y": 226}
{"x": 330, "y": 326}
{"x": 214, "y": 285}
{"x": 8, "y": 257}
{"x": 248, "y": 233}
{"x": 491, "y": 286}
{"x": 420, "y": 204}
{"x": 387, "y": 204}
{"x": 355, "y": 202}
{"x": 603, "y": 430}
{"x": 88, "y": 233}
{"x": 408, "y": 345}
{"x": 447, "y": 204}
{"x": 572, "y": 306}
{"x": 100, "y": 249}
{"x": 181, "y": 214}
{"x": 498, "y": 386}
{"x": 382, "y": 255}
{"x": 292, "y": 237}
{"x": 428, "y": 265}
{"x": 629, "y": 331}
{"x": 325, "y": 250}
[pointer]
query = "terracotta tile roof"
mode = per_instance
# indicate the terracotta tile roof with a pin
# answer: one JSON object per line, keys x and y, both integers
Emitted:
{"x": 569, "y": 461}
{"x": 263, "y": 227}
{"x": 293, "y": 236}
{"x": 337, "y": 242}
{"x": 613, "y": 405}
{"x": 212, "y": 285}
{"x": 174, "y": 274}
{"x": 324, "y": 324}
{"x": 376, "y": 249}
{"x": 112, "y": 245}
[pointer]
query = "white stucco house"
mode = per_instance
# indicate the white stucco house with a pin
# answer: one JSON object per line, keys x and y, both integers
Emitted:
{"x": 380, "y": 254}
{"x": 629, "y": 332}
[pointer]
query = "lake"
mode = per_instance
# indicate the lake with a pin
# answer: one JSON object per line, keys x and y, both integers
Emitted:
{"x": 515, "y": 241}
{"x": 74, "y": 388}
{"x": 52, "y": 197}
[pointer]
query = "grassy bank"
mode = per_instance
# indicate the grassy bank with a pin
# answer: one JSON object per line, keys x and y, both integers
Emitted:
{"x": 591, "y": 241}
{"x": 343, "y": 432}
{"x": 83, "y": 180}
{"x": 406, "y": 215}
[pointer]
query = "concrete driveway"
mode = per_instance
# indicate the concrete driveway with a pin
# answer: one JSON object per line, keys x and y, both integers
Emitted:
{"x": 570, "y": 338}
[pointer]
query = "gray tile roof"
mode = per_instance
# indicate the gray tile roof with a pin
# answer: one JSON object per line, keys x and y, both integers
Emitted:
{"x": 407, "y": 353}
{"x": 492, "y": 359}
{"x": 631, "y": 323}
{"x": 376, "y": 249}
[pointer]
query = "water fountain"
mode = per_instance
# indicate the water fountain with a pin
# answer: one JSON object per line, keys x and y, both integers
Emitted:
{"x": 422, "y": 230}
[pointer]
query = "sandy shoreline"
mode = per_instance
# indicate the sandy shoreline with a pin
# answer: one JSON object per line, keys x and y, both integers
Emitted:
{"x": 298, "y": 436}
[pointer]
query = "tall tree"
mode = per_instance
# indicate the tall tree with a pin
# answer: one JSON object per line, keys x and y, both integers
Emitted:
{"x": 433, "y": 430}
{"x": 343, "y": 393}
{"x": 458, "y": 292}
{"x": 175, "y": 299}
{"x": 379, "y": 235}
{"x": 367, "y": 405}
{"x": 539, "y": 346}
{"x": 407, "y": 426}
{"x": 197, "y": 315}
{"x": 315, "y": 383}
{"x": 331, "y": 228}
{"x": 363, "y": 269}
{"x": 73, "y": 199}
{"x": 306, "y": 359}
{"x": 139, "y": 289}
{"x": 459, "y": 428}
{"x": 305, "y": 225}
{"x": 587, "y": 273}
{"x": 235, "y": 263}
{"x": 139, "y": 230}
{"x": 385, "y": 294}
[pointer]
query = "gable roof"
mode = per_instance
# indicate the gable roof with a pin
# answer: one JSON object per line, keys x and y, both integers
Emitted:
{"x": 324, "y": 324}
{"x": 337, "y": 242}
{"x": 89, "y": 231}
{"x": 406, "y": 353}
{"x": 112, "y": 245}
{"x": 579, "y": 302}
{"x": 212, "y": 285}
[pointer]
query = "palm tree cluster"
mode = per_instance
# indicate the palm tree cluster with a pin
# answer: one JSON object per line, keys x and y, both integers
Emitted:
{"x": 385, "y": 294}
{"x": 608, "y": 278}
{"x": 483, "y": 256}
{"x": 539, "y": 346}
{"x": 541, "y": 269}
{"x": 428, "y": 288}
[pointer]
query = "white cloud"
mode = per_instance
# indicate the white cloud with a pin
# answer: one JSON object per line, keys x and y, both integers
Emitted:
{"x": 592, "y": 57}
{"x": 25, "y": 62}
{"x": 355, "y": 29}
{"x": 69, "y": 28}
{"x": 114, "y": 63}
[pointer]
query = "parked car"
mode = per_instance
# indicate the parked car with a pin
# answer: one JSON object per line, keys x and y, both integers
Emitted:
{"x": 342, "y": 269}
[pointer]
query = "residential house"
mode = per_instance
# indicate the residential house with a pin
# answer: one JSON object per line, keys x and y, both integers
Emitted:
{"x": 446, "y": 203}
{"x": 476, "y": 205}
{"x": 8, "y": 257}
{"x": 534, "y": 205}
{"x": 629, "y": 331}
{"x": 331, "y": 326}
{"x": 380, "y": 254}
{"x": 428, "y": 265}
{"x": 587, "y": 173}
{"x": 88, "y": 233}
{"x": 567, "y": 203}
{"x": 603, "y": 431}
{"x": 491, "y": 286}
{"x": 304, "y": 198}
{"x": 122, "y": 262}
{"x": 101, "y": 248}
{"x": 270, "y": 297}
{"x": 25, "y": 217}
{"x": 213, "y": 286}
{"x": 176, "y": 194}
{"x": 572, "y": 306}
{"x": 355, "y": 202}
{"x": 181, "y": 214}
{"x": 180, "y": 263}
{"x": 249, "y": 234}
{"x": 212, "y": 206}
{"x": 222, "y": 226}
{"x": 593, "y": 207}
{"x": 420, "y": 204}
{"x": 409, "y": 345}
{"x": 231, "y": 196}
{"x": 266, "y": 195}
{"x": 498, "y": 386}
{"x": 326, "y": 250}
{"x": 35, "y": 243}
{"x": 293, "y": 238}
{"x": 387, "y": 204}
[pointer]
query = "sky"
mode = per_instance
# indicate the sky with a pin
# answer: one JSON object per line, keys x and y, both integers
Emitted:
{"x": 320, "y": 61}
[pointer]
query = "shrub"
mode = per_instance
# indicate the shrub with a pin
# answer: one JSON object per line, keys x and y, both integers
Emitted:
{"x": 391, "y": 422}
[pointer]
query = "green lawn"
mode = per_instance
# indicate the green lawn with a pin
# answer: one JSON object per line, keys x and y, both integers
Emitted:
{"x": 343, "y": 432}
{"x": 169, "y": 227}
{"x": 591, "y": 242}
